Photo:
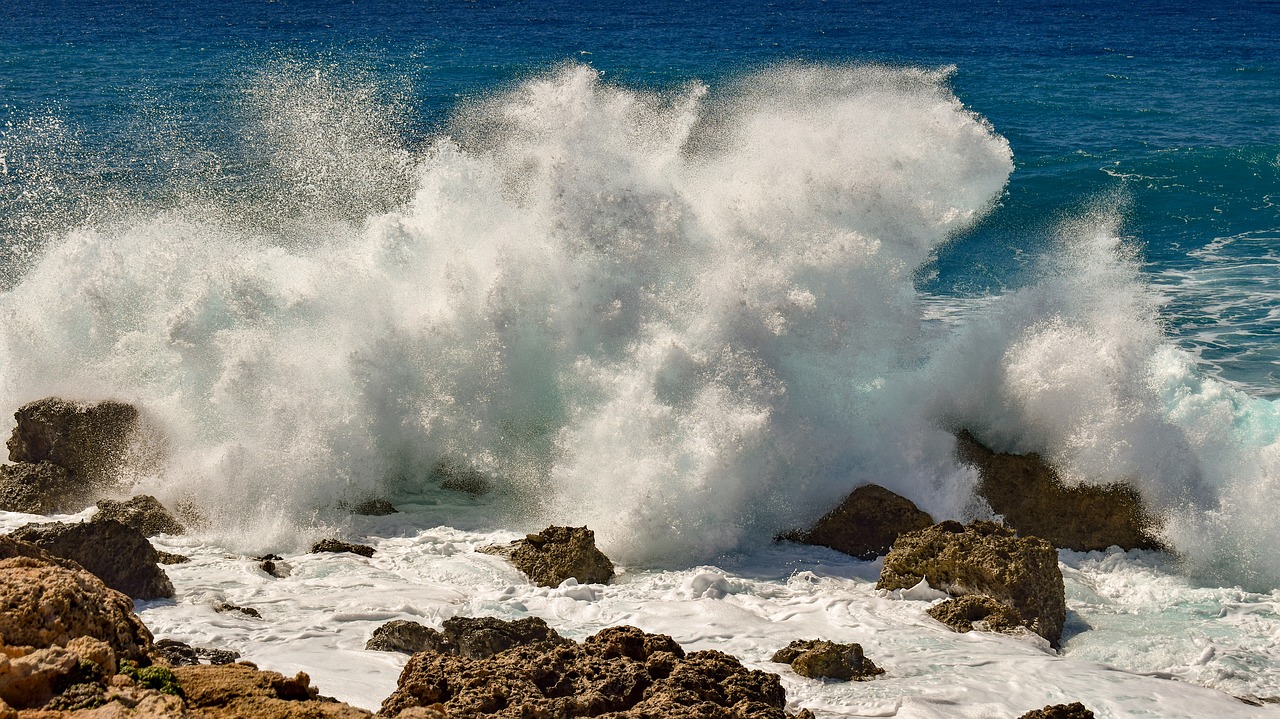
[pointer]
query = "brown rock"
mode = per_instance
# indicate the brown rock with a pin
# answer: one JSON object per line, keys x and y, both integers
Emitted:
{"x": 337, "y": 547}
{"x": 31, "y": 677}
{"x": 866, "y": 523}
{"x": 143, "y": 512}
{"x": 117, "y": 554}
{"x": 47, "y": 604}
{"x": 40, "y": 488}
{"x": 240, "y": 691}
{"x": 960, "y": 614}
{"x": 1028, "y": 493}
{"x": 401, "y": 635}
{"x": 984, "y": 558}
{"x": 92, "y": 441}
{"x": 376, "y": 507}
{"x": 818, "y": 659}
{"x": 556, "y": 554}
{"x": 1075, "y": 710}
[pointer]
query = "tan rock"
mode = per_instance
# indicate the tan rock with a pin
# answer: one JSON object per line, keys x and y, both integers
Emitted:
{"x": 555, "y": 554}
{"x": 240, "y": 691}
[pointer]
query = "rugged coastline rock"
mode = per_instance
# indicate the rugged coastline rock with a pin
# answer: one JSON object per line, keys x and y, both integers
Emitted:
{"x": 472, "y": 638}
{"x": 620, "y": 672}
{"x": 92, "y": 441}
{"x": 817, "y": 659}
{"x": 976, "y": 611}
{"x": 1074, "y": 710}
{"x": 338, "y": 547}
{"x": 866, "y": 523}
{"x": 984, "y": 558}
{"x": 555, "y": 554}
{"x": 1028, "y": 493}
{"x": 40, "y": 488}
{"x": 142, "y": 512}
{"x": 119, "y": 555}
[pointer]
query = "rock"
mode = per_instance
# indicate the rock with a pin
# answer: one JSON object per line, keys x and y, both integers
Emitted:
{"x": 473, "y": 638}
{"x": 556, "y": 554}
{"x": 40, "y": 488}
{"x": 180, "y": 654}
{"x": 92, "y": 441}
{"x": 117, "y": 554}
{"x": 49, "y": 603}
{"x": 961, "y": 614}
{"x": 620, "y": 672}
{"x": 1028, "y": 493}
{"x": 31, "y": 677}
{"x": 224, "y": 607}
{"x": 984, "y": 558}
{"x": 377, "y": 507}
{"x": 143, "y": 512}
{"x": 274, "y": 565}
{"x": 866, "y": 523}
{"x": 240, "y": 690}
{"x": 1075, "y": 710}
{"x": 164, "y": 557}
{"x": 333, "y": 545}
{"x": 401, "y": 635}
{"x": 818, "y": 659}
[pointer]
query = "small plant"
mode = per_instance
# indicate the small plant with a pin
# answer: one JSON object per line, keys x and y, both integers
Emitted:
{"x": 153, "y": 677}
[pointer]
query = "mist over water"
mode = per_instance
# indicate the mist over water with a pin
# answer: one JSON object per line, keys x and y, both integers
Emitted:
{"x": 688, "y": 319}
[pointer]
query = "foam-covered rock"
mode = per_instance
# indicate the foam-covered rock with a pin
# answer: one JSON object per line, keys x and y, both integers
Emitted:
{"x": 555, "y": 554}
{"x": 1074, "y": 710}
{"x": 1028, "y": 493}
{"x": 40, "y": 488}
{"x": 866, "y": 523}
{"x": 143, "y": 512}
{"x": 984, "y": 558}
{"x": 92, "y": 441}
{"x": 116, "y": 553}
{"x": 818, "y": 659}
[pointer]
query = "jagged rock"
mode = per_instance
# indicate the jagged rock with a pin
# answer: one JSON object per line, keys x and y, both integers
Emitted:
{"x": 92, "y": 441}
{"x": 866, "y": 523}
{"x": 40, "y": 488}
{"x": 984, "y": 558}
{"x": 1028, "y": 493}
{"x": 48, "y": 602}
{"x": 376, "y": 507}
{"x": 818, "y": 659}
{"x": 241, "y": 690}
{"x": 556, "y": 554}
{"x": 1074, "y": 710}
{"x": 401, "y": 635}
{"x": 143, "y": 512}
{"x": 117, "y": 554}
{"x": 620, "y": 672}
{"x": 473, "y": 638}
{"x": 181, "y": 654}
{"x": 31, "y": 677}
{"x": 333, "y": 545}
{"x": 224, "y": 607}
{"x": 164, "y": 557}
{"x": 961, "y": 613}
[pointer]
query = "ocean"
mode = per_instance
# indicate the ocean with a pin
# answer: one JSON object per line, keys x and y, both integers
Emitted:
{"x": 687, "y": 275}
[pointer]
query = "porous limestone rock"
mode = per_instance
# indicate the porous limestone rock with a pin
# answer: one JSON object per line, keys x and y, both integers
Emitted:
{"x": 402, "y": 635}
{"x": 1074, "y": 710}
{"x": 243, "y": 691}
{"x": 31, "y": 677}
{"x": 143, "y": 512}
{"x": 1028, "y": 493}
{"x": 866, "y": 523}
{"x": 555, "y": 554}
{"x": 92, "y": 441}
{"x": 817, "y": 659}
{"x": 40, "y": 488}
{"x": 984, "y": 558}
{"x": 961, "y": 614}
{"x": 117, "y": 554}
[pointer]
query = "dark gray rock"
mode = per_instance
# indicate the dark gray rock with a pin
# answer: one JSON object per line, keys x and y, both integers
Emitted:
{"x": 377, "y": 507}
{"x": 401, "y": 635}
{"x": 473, "y": 638}
{"x": 118, "y": 554}
{"x": 143, "y": 512}
{"x": 41, "y": 488}
{"x": 333, "y": 545}
{"x": 92, "y": 441}
{"x": 225, "y": 607}
{"x": 819, "y": 659}
{"x": 556, "y": 554}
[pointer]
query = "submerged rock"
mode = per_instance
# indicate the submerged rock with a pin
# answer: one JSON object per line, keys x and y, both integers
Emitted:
{"x": 338, "y": 547}
{"x": 1028, "y": 493}
{"x": 92, "y": 441}
{"x": 555, "y": 554}
{"x": 817, "y": 659}
{"x": 984, "y": 558}
{"x": 40, "y": 488}
{"x": 962, "y": 613}
{"x": 143, "y": 512}
{"x": 620, "y": 672}
{"x": 1075, "y": 710}
{"x": 866, "y": 523}
{"x": 119, "y": 555}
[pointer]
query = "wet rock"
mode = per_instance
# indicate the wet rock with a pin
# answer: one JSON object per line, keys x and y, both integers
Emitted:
{"x": 1075, "y": 710}
{"x": 92, "y": 441}
{"x": 274, "y": 565}
{"x": 866, "y": 523}
{"x": 473, "y": 638}
{"x": 818, "y": 659}
{"x": 401, "y": 635}
{"x": 117, "y": 554}
{"x": 556, "y": 554}
{"x": 164, "y": 557}
{"x": 461, "y": 478}
{"x": 984, "y": 558}
{"x": 1028, "y": 493}
{"x": 241, "y": 690}
{"x": 224, "y": 607}
{"x": 377, "y": 507}
{"x": 40, "y": 488}
{"x": 976, "y": 611}
{"x": 48, "y": 603}
{"x": 143, "y": 512}
{"x": 180, "y": 654}
{"x": 620, "y": 672}
{"x": 333, "y": 545}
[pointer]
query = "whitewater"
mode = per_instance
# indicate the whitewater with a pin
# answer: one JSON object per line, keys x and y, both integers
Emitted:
{"x": 688, "y": 319}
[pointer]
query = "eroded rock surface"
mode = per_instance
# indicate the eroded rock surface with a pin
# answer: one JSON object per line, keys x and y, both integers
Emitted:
{"x": 143, "y": 512}
{"x": 40, "y": 488}
{"x": 92, "y": 441}
{"x": 473, "y": 638}
{"x": 866, "y": 523}
{"x": 1074, "y": 710}
{"x": 818, "y": 659}
{"x": 976, "y": 611}
{"x": 338, "y": 547}
{"x": 555, "y": 554}
{"x": 984, "y": 558}
{"x": 119, "y": 555}
{"x": 242, "y": 690}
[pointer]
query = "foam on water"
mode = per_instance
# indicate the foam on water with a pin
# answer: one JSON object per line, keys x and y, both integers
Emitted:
{"x": 686, "y": 319}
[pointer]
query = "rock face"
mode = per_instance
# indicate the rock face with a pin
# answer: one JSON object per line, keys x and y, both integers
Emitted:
{"x": 620, "y": 672}
{"x": 119, "y": 555}
{"x": 143, "y": 512}
{"x": 866, "y": 523}
{"x": 1074, "y": 710}
{"x": 1026, "y": 490}
{"x": 984, "y": 558}
{"x": 818, "y": 659}
{"x": 556, "y": 554}
{"x": 241, "y": 690}
{"x": 40, "y": 488}
{"x": 401, "y": 635}
{"x": 960, "y": 614}
{"x": 92, "y": 441}
{"x": 337, "y": 547}
{"x": 48, "y": 602}
{"x": 473, "y": 638}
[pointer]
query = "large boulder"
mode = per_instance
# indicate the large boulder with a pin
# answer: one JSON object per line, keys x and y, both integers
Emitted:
{"x": 984, "y": 558}
{"x": 48, "y": 602}
{"x": 866, "y": 523}
{"x": 620, "y": 672}
{"x": 40, "y": 488}
{"x": 92, "y": 441}
{"x": 143, "y": 512}
{"x": 118, "y": 554}
{"x": 555, "y": 554}
{"x": 1031, "y": 497}
{"x": 473, "y": 638}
